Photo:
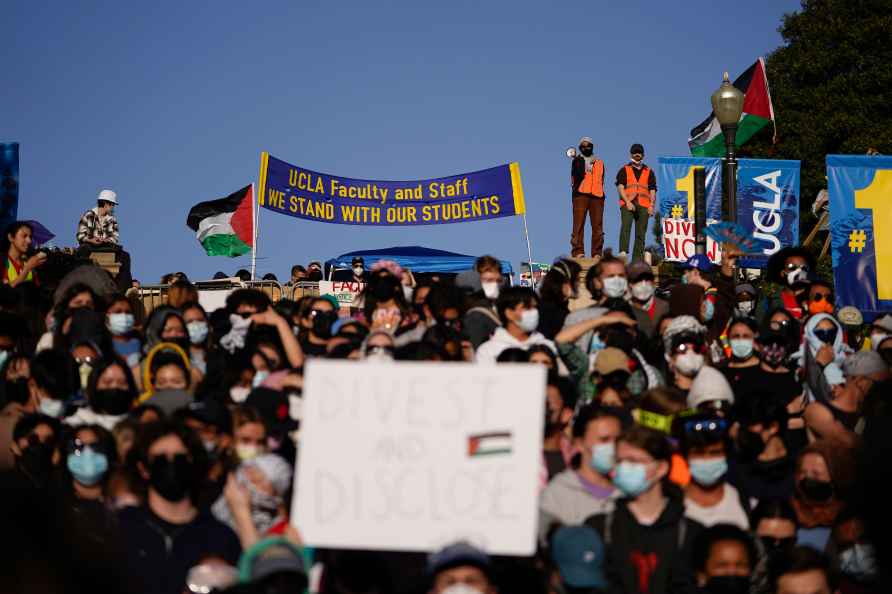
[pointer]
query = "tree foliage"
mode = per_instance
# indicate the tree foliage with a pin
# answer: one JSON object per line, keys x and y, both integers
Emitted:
{"x": 831, "y": 86}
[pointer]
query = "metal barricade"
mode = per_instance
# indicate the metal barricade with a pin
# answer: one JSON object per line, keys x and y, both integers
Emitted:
{"x": 272, "y": 288}
{"x": 147, "y": 298}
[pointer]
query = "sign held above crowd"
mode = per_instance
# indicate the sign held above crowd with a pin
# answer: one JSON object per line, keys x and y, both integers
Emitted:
{"x": 301, "y": 193}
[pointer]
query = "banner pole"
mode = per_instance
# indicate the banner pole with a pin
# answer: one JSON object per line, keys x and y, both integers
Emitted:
{"x": 255, "y": 218}
{"x": 526, "y": 234}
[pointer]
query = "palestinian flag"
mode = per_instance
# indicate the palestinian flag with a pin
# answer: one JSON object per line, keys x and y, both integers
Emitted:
{"x": 487, "y": 444}
{"x": 225, "y": 227}
{"x": 707, "y": 139}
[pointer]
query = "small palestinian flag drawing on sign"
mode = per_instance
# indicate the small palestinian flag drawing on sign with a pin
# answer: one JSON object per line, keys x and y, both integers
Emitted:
{"x": 487, "y": 444}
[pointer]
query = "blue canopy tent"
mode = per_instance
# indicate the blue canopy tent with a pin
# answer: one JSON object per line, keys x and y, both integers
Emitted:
{"x": 417, "y": 258}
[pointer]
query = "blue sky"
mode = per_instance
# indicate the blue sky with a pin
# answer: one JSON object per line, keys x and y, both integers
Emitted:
{"x": 171, "y": 103}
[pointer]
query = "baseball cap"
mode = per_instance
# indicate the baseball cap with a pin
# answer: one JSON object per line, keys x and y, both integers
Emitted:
{"x": 744, "y": 288}
{"x": 315, "y": 263}
{"x": 455, "y": 555}
{"x": 578, "y": 552}
{"x": 850, "y": 316}
{"x": 611, "y": 359}
{"x": 884, "y": 322}
{"x": 638, "y": 269}
{"x": 636, "y": 148}
{"x": 585, "y": 139}
{"x": 271, "y": 556}
{"x": 210, "y": 412}
{"x": 357, "y": 260}
{"x": 698, "y": 261}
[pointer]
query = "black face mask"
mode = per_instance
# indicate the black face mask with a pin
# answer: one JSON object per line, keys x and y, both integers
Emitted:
{"x": 17, "y": 390}
{"x": 36, "y": 463}
{"x": 171, "y": 478}
{"x": 587, "y": 151}
{"x": 616, "y": 380}
{"x": 111, "y": 402}
{"x": 728, "y": 584}
{"x": 322, "y": 322}
{"x": 749, "y": 445}
{"x": 815, "y": 490}
{"x": 385, "y": 287}
{"x": 826, "y": 335}
{"x": 777, "y": 547}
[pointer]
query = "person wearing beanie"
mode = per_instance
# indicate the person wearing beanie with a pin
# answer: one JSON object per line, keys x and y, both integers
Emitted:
{"x": 710, "y": 391}
{"x": 587, "y": 179}
{"x": 684, "y": 346}
{"x": 637, "y": 186}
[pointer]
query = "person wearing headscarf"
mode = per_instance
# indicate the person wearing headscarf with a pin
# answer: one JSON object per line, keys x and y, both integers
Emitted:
{"x": 821, "y": 355}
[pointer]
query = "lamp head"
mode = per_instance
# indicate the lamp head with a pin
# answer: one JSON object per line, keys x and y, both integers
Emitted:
{"x": 727, "y": 103}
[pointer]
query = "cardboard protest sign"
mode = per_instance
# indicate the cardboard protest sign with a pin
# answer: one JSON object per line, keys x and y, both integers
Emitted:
{"x": 346, "y": 292}
{"x": 414, "y": 456}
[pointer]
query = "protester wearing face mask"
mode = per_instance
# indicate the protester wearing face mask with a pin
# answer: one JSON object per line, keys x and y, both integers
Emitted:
{"x": 520, "y": 318}
{"x": 709, "y": 499}
{"x": 774, "y": 526}
{"x": 587, "y": 181}
{"x": 89, "y": 458}
{"x": 120, "y": 321}
{"x": 460, "y": 568}
{"x": 649, "y": 309}
{"x": 823, "y": 478}
{"x": 357, "y": 266}
{"x": 821, "y": 355}
{"x": 819, "y": 297}
{"x": 714, "y": 310}
{"x": 648, "y": 539}
{"x": 790, "y": 268}
{"x": 253, "y": 502}
{"x": 560, "y": 401}
{"x": 637, "y": 186}
{"x": 557, "y": 288}
{"x": 881, "y": 337}
{"x": 742, "y": 348}
{"x": 684, "y": 344}
{"x": 378, "y": 347}
{"x": 585, "y": 490}
{"x": 745, "y": 299}
{"x": 167, "y": 536}
{"x": 763, "y": 463}
{"x": 837, "y": 419}
{"x": 608, "y": 271}
{"x": 724, "y": 557}
{"x": 198, "y": 329}
{"x": 855, "y": 553}
{"x": 248, "y": 433}
{"x": 34, "y": 449}
{"x": 481, "y": 318}
{"x": 317, "y": 327}
{"x": 111, "y": 392}
{"x": 211, "y": 421}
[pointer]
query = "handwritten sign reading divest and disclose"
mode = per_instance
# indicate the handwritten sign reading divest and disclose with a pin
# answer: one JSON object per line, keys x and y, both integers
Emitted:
{"x": 298, "y": 192}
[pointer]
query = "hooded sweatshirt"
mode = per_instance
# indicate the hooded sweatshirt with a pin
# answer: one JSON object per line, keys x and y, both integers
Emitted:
{"x": 502, "y": 339}
{"x": 653, "y": 559}
{"x": 568, "y": 502}
{"x": 819, "y": 381}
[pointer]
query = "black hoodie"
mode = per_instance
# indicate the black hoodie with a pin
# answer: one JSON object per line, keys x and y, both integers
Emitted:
{"x": 653, "y": 559}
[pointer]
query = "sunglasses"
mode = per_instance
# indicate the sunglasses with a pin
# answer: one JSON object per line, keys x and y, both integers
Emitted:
{"x": 706, "y": 426}
{"x": 791, "y": 267}
{"x": 688, "y": 347}
{"x": 821, "y": 296}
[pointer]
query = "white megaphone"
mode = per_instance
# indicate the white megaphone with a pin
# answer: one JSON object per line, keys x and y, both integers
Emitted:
{"x": 571, "y": 153}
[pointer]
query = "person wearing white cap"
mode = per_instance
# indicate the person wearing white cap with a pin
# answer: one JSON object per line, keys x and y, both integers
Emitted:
{"x": 836, "y": 420}
{"x": 587, "y": 180}
{"x": 98, "y": 231}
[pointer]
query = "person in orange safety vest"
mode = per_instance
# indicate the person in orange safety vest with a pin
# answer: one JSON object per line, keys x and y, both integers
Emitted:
{"x": 637, "y": 185}
{"x": 587, "y": 180}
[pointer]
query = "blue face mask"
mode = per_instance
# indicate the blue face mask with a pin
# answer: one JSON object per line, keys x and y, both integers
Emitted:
{"x": 708, "y": 310}
{"x": 120, "y": 323}
{"x": 742, "y": 348}
{"x": 631, "y": 478}
{"x": 597, "y": 344}
{"x": 52, "y": 407}
{"x": 198, "y": 331}
{"x": 708, "y": 471}
{"x": 603, "y": 457}
{"x": 87, "y": 466}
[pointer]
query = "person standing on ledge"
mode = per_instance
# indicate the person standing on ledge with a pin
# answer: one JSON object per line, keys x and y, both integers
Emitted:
{"x": 587, "y": 179}
{"x": 637, "y": 186}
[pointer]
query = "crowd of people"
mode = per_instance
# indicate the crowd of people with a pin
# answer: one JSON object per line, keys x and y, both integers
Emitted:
{"x": 709, "y": 436}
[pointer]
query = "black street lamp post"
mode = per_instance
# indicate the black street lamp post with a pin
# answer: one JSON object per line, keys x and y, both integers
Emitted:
{"x": 727, "y": 105}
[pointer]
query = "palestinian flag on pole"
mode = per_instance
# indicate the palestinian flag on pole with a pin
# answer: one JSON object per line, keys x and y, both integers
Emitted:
{"x": 225, "y": 227}
{"x": 707, "y": 139}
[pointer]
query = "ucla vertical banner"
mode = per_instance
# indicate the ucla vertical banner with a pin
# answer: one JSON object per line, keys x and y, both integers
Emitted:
{"x": 9, "y": 184}
{"x": 675, "y": 194}
{"x": 768, "y": 206}
{"x": 860, "y": 189}
{"x": 304, "y": 194}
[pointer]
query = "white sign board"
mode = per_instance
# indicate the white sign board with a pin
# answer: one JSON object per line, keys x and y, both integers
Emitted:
{"x": 213, "y": 299}
{"x": 346, "y": 292}
{"x": 414, "y": 456}
{"x": 679, "y": 241}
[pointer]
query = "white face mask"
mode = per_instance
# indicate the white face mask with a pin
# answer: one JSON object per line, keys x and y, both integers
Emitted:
{"x": 877, "y": 338}
{"x": 461, "y": 588}
{"x": 615, "y": 286}
{"x": 795, "y": 276}
{"x": 198, "y": 331}
{"x": 745, "y": 307}
{"x": 643, "y": 291}
{"x": 689, "y": 363}
{"x": 247, "y": 451}
{"x": 529, "y": 320}
{"x": 239, "y": 393}
{"x": 259, "y": 378}
{"x": 120, "y": 323}
{"x": 491, "y": 290}
{"x": 52, "y": 407}
{"x": 358, "y": 270}
{"x": 408, "y": 292}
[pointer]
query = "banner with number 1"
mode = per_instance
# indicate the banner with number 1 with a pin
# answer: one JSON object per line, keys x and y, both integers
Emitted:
{"x": 860, "y": 190}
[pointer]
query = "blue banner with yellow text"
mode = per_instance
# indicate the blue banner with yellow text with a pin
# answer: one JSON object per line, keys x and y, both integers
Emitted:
{"x": 860, "y": 189}
{"x": 767, "y": 205}
{"x": 9, "y": 183}
{"x": 304, "y": 194}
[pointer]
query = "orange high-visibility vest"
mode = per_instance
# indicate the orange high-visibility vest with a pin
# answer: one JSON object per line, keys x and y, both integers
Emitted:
{"x": 593, "y": 182}
{"x": 637, "y": 190}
